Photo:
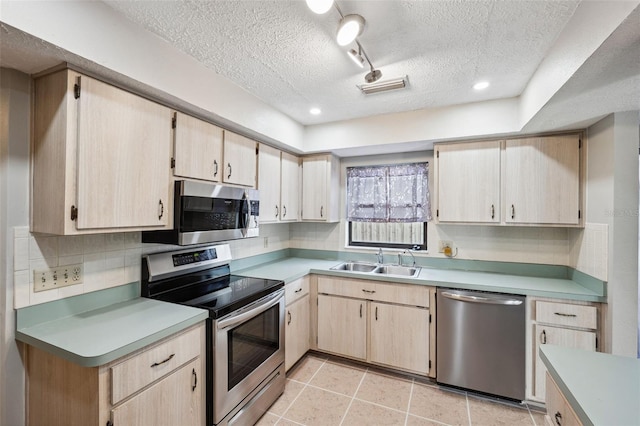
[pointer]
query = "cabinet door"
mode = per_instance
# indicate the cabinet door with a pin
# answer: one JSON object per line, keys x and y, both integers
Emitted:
{"x": 400, "y": 336}
{"x": 562, "y": 337}
{"x": 342, "y": 326}
{"x": 124, "y": 144}
{"x": 269, "y": 183}
{"x": 175, "y": 400}
{"x": 542, "y": 180}
{"x": 239, "y": 160}
{"x": 469, "y": 182}
{"x": 314, "y": 188}
{"x": 296, "y": 331}
{"x": 198, "y": 149}
{"x": 290, "y": 188}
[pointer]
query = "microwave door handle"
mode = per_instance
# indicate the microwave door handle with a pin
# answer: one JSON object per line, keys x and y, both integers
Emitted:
{"x": 244, "y": 219}
{"x": 252, "y": 310}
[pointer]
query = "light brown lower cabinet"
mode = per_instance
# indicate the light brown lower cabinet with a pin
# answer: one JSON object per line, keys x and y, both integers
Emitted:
{"x": 162, "y": 385}
{"x": 296, "y": 331}
{"x": 559, "y": 412}
{"x": 381, "y": 323}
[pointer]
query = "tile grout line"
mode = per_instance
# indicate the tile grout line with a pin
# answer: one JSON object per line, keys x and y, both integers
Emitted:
{"x": 344, "y": 416}
{"x": 406, "y": 416}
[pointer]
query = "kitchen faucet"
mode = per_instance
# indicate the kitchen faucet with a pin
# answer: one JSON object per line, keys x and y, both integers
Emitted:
{"x": 400, "y": 257}
{"x": 380, "y": 256}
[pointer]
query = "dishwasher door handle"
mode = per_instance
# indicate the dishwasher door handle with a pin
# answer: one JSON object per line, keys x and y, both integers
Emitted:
{"x": 481, "y": 299}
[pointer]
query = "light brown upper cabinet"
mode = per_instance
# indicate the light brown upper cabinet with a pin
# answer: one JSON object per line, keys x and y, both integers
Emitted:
{"x": 197, "y": 149}
{"x": 279, "y": 185}
{"x": 525, "y": 181}
{"x": 542, "y": 180}
{"x": 100, "y": 158}
{"x": 240, "y": 160}
{"x": 320, "y": 188}
{"x": 468, "y": 182}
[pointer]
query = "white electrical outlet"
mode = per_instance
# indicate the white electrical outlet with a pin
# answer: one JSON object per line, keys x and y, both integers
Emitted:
{"x": 60, "y": 276}
{"x": 444, "y": 243}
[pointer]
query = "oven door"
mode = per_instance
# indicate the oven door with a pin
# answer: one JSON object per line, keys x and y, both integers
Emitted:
{"x": 248, "y": 347}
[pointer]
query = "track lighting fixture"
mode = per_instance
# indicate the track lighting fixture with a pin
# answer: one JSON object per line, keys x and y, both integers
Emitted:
{"x": 384, "y": 85}
{"x": 320, "y": 6}
{"x": 349, "y": 29}
{"x": 356, "y": 57}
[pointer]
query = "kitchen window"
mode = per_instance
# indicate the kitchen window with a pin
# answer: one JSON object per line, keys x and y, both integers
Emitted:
{"x": 388, "y": 205}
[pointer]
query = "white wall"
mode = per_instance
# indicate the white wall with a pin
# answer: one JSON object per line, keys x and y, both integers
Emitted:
{"x": 14, "y": 211}
{"x": 612, "y": 199}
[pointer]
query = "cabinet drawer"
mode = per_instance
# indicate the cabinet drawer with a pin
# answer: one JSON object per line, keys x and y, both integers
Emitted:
{"x": 139, "y": 371}
{"x": 558, "y": 409}
{"x": 296, "y": 289}
{"x": 359, "y": 289}
{"x": 568, "y": 315}
{"x": 413, "y": 295}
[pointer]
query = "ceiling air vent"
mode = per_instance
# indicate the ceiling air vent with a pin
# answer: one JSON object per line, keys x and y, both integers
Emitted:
{"x": 383, "y": 85}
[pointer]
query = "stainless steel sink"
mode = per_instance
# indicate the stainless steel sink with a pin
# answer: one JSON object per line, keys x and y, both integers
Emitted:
{"x": 355, "y": 267}
{"x": 406, "y": 271}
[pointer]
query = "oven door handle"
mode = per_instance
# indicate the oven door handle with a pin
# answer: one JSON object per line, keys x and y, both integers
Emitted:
{"x": 252, "y": 310}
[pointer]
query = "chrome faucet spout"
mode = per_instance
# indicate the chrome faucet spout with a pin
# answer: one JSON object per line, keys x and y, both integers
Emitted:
{"x": 380, "y": 256}
{"x": 404, "y": 252}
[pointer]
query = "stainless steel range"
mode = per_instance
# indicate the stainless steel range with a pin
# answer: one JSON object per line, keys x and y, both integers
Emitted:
{"x": 245, "y": 328}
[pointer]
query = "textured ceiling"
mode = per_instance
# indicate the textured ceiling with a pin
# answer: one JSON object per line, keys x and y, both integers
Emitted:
{"x": 286, "y": 55}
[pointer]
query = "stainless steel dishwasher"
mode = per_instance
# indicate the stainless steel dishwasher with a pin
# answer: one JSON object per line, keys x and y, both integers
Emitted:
{"x": 480, "y": 341}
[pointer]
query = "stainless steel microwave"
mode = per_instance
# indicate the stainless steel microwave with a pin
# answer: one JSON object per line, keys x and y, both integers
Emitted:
{"x": 206, "y": 213}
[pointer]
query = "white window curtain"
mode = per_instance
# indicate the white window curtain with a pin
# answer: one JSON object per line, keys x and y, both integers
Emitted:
{"x": 392, "y": 193}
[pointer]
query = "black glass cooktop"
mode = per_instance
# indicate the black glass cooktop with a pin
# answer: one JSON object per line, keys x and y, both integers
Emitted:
{"x": 211, "y": 289}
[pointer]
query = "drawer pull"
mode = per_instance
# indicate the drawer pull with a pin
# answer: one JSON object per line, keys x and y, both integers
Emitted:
{"x": 558, "y": 417}
{"x": 543, "y": 337}
{"x": 369, "y": 291}
{"x": 155, "y": 364}
{"x": 298, "y": 290}
{"x": 289, "y": 316}
{"x": 195, "y": 380}
{"x": 565, "y": 315}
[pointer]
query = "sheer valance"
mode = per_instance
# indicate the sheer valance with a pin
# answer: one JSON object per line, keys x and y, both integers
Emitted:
{"x": 392, "y": 193}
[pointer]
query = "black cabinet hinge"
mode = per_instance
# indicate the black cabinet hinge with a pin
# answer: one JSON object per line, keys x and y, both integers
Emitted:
{"x": 74, "y": 212}
{"x": 174, "y": 122}
{"x": 579, "y": 143}
{"x": 109, "y": 423}
{"x": 437, "y": 213}
{"x": 257, "y": 150}
{"x": 429, "y": 318}
{"x": 429, "y": 364}
{"x": 173, "y": 163}
{"x": 437, "y": 154}
{"x": 76, "y": 90}
{"x": 579, "y": 214}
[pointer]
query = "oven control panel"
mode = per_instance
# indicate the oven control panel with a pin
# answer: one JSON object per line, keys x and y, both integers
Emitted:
{"x": 194, "y": 257}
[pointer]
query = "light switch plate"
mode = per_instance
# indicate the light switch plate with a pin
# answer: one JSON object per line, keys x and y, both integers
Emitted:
{"x": 60, "y": 276}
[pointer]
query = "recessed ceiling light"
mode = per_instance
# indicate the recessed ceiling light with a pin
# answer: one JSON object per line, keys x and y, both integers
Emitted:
{"x": 481, "y": 85}
{"x": 315, "y": 111}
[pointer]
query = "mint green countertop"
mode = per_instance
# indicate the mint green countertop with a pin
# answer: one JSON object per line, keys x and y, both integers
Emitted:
{"x": 602, "y": 389}
{"x": 292, "y": 268}
{"x": 91, "y": 330}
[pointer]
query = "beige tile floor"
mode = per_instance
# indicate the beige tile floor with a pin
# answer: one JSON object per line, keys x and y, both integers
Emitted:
{"x": 333, "y": 392}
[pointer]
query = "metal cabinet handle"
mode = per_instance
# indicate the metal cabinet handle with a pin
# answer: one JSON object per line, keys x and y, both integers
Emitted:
{"x": 543, "y": 337}
{"x": 195, "y": 380}
{"x": 160, "y": 210}
{"x": 558, "y": 418}
{"x": 368, "y": 291}
{"x": 155, "y": 364}
{"x": 565, "y": 315}
{"x": 376, "y": 313}
{"x": 513, "y": 211}
{"x": 289, "y": 317}
{"x": 215, "y": 168}
{"x": 298, "y": 290}
{"x": 284, "y": 211}
{"x": 361, "y": 310}
{"x": 493, "y": 211}
{"x": 229, "y": 166}
{"x": 277, "y": 211}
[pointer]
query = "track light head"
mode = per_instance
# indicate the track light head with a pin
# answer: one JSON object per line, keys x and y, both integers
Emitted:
{"x": 320, "y": 6}
{"x": 356, "y": 57}
{"x": 349, "y": 29}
